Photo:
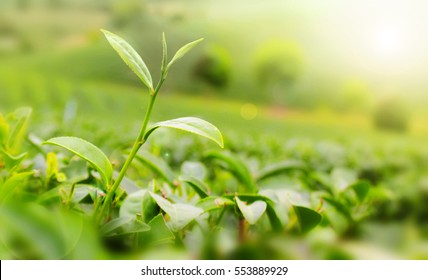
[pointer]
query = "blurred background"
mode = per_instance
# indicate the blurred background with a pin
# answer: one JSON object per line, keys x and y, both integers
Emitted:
{"x": 332, "y": 76}
{"x": 359, "y": 59}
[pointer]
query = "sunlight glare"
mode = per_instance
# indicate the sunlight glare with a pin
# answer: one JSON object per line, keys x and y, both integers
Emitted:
{"x": 389, "y": 42}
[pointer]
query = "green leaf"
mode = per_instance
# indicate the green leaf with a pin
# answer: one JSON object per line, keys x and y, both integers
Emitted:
{"x": 270, "y": 210}
{"x": 149, "y": 208}
{"x": 193, "y": 169}
{"x": 130, "y": 57}
{"x": 39, "y": 232}
{"x": 159, "y": 233}
{"x": 4, "y": 130}
{"x": 340, "y": 207}
{"x": 182, "y": 51}
{"x": 12, "y": 162}
{"x": 308, "y": 218}
{"x": 192, "y": 125}
{"x": 17, "y": 132}
{"x": 342, "y": 178}
{"x": 131, "y": 206}
{"x": 88, "y": 152}
{"x": 164, "y": 56}
{"x": 180, "y": 214}
{"x": 76, "y": 171}
{"x": 197, "y": 185}
{"x": 12, "y": 183}
{"x": 123, "y": 225}
{"x": 211, "y": 203}
{"x": 238, "y": 168}
{"x": 278, "y": 168}
{"x": 361, "y": 189}
{"x": 157, "y": 165}
{"x": 110, "y": 227}
{"x": 81, "y": 191}
{"x": 253, "y": 211}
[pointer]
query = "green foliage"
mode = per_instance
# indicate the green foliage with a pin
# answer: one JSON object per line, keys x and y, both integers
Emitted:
{"x": 192, "y": 125}
{"x": 130, "y": 57}
{"x": 308, "y": 218}
{"x": 214, "y": 67}
{"x": 278, "y": 63}
{"x": 279, "y": 194}
{"x": 253, "y": 211}
{"x": 181, "y": 52}
{"x": 88, "y": 152}
{"x": 179, "y": 214}
{"x": 392, "y": 114}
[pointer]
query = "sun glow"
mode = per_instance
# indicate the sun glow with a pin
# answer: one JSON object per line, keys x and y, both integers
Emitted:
{"x": 389, "y": 42}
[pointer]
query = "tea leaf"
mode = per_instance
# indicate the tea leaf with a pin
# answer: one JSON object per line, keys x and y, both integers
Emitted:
{"x": 17, "y": 132}
{"x": 4, "y": 130}
{"x": 130, "y": 57}
{"x": 158, "y": 165}
{"x": 253, "y": 211}
{"x": 238, "y": 169}
{"x": 308, "y": 218}
{"x": 114, "y": 224}
{"x": 164, "y": 56}
{"x": 211, "y": 203}
{"x": 361, "y": 189}
{"x": 11, "y": 161}
{"x": 342, "y": 178}
{"x": 123, "y": 225}
{"x": 13, "y": 182}
{"x": 46, "y": 233}
{"x": 159, "y": 232}
{"x": 270, "y": 210}
{"x": 131, "y": 206}
{"x": 180, "y": 214}
{"x": 182, "y": 51}
{"x": 278, "y": 168}
{"x": 88, "y": 152}
{"x": 192, "y": 125}
{"x": 149, "y": 208}
{"x": 198, "y": 186}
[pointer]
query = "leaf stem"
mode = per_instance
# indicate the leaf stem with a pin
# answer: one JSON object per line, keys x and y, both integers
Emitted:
{"x": 242, "y": 230}
{"x": 137, "y": 145}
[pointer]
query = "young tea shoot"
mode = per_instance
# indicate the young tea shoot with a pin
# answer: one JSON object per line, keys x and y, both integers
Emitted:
{"x": 97, "y": 159}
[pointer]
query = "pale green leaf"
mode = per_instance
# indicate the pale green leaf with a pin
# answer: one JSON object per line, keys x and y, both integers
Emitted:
{"x": 270, "y": 207}
{"x": 14, "y": 182}
{"x": 251, "y": 212}
{"x": 192, "y": 125}
{"x": 115, "y": 224}
{"x": 211, "y": 203}
{"x": 17, "y": 133}
{"x": 182, "y": 51}
{"x": 180, "y": 214}
{"x": 159, "y": 233}
{"x": 88, "y": 152}
{"x": 130, "y": 57}
{"x": 164, "y": 56}
{"x": 131, "y": 206}
{"x": 123, "y": 225}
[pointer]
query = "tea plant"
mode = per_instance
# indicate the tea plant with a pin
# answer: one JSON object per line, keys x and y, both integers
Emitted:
{"x": 246, "y": 203}
{"x": 148, "y": 201}
{"x": 98, "y": 159}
